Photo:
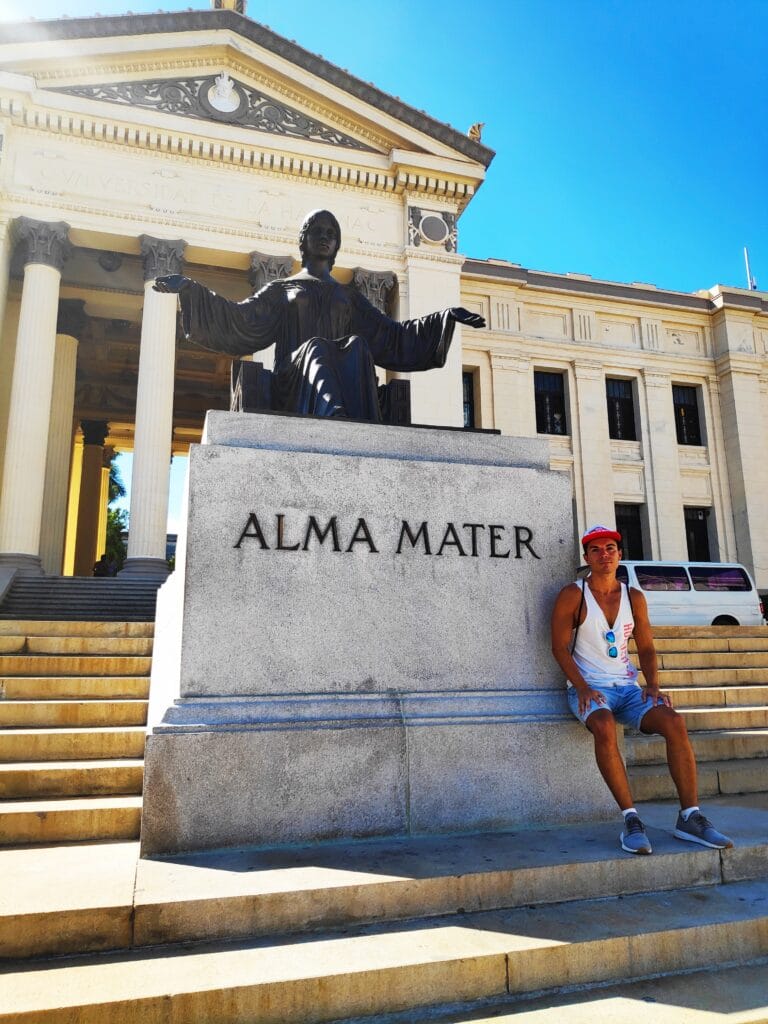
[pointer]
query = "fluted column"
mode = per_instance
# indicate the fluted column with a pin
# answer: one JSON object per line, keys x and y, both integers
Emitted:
{"x": 107, "y": 455}
{"x": 69, "y": 328}
{"x": 154, "y": 414}
{"x": 94, "y": 434}
{"x": 45, "y": 247}
{"x": 6, "y": 342}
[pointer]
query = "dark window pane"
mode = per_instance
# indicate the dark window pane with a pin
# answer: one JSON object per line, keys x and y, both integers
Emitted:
{"x": 662, "y": 577}
{"x": 621, "y": 410}
{"x": 621, "y": 573}
{"x": 549, "y": 390}
{"x": 697, "y": 534}
{"x": 686, "y": 414}
{"x": 719, "y": 579}
{"x": 629, "y": 525}
{"x": 468, "y": 387}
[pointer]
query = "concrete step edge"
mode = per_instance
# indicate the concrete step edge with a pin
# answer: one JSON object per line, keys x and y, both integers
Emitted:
{"x": 393, "y": 968}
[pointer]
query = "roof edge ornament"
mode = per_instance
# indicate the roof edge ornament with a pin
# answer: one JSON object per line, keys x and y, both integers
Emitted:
{"x": 238, "y": 6}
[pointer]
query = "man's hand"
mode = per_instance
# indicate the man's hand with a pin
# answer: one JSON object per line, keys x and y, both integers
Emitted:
{"x": 464, "y": 316}
{"x": 654, "y": 694}
{"x": 171, "y": 284}
{"x": 588, "y": 695}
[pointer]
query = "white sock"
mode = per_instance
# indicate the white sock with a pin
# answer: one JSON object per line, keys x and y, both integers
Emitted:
{"x": 629, "y": 810}
{"x": 687, "y": 812}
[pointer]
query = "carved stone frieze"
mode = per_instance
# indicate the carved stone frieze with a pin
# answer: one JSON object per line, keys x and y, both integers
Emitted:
{"x": 376, "y": 286}
{"x": 427, "y": 227}
{"x": 72, "y": 318}
{"x": 43, "y": 242}
{"x": 266, "y": 268}
{"x": 217, "y": 98}
{"x": 161, "y": 257}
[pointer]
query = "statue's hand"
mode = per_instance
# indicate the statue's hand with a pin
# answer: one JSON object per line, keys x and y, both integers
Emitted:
{"x": 464, "y": 316}
{"x": 172, "y": 284}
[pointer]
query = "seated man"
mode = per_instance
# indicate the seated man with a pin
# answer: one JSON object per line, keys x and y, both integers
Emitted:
{"x": 592, "y": 622}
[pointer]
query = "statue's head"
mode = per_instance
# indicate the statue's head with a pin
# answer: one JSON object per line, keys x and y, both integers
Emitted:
{"x": 313, "y": 224}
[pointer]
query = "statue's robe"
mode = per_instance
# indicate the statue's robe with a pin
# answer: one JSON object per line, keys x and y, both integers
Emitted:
{"x": 327, "y": 339}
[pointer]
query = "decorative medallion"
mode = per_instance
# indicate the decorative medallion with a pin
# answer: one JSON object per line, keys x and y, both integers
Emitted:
{"x": 432, "y": 228}
{"x": 217, "y": 98}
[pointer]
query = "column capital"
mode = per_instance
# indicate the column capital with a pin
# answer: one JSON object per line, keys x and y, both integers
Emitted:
{"x": 376, "y": 286}
{"x": 585, "y": 370}
{"x": 653, "y": 379}
{"x": 161, "y": 256}
{"x": 42, "y": 242}
{"x": 94, "y": 431}
{"x": 265, "y": 268}
{"x": 71, "y": 318}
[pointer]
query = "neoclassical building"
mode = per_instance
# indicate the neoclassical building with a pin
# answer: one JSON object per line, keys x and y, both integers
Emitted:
{"x": 196, "y": 142}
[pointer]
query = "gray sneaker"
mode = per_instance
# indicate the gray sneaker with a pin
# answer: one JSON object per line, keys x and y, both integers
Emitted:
{"x": 633, "y": 838}
{"x": 698, "y": 829}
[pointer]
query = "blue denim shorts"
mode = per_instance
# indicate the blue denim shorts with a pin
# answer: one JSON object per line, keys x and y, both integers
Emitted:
{"x": 624, "y": 702}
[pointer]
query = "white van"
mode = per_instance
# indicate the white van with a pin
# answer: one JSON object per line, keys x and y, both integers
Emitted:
{"x": 695, "y": 593}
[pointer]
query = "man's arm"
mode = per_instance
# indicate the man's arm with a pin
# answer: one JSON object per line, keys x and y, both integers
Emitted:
{"x": 646, "y": 650}
{"x": 563, "y": 624}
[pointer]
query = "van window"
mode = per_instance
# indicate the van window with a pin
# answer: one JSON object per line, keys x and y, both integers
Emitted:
{"x": 719, "y": 578}
{"x": 621, "y": 574}
{"x": 662, "y": 577}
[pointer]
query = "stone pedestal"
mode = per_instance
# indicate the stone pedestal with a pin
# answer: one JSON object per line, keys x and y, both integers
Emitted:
{"x": 356, "y": 640}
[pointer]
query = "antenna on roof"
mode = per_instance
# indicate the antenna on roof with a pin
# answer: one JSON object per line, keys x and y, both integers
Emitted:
{"x": 751, "y": 282}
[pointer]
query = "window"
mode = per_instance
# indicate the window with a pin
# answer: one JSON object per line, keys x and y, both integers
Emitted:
{"x": 662, "y": 577}
{"x": 697, "y": 534}
{"x": 629, "y": 524}
{"x": 468, "y": 391}
{"x": 549, "y": 389}
{"x": 719, "y": 580}
{"x": 686, "y": 414}
{"x": 621, "y": 409}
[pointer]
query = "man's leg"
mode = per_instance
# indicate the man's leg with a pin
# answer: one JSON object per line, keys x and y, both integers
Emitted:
{"x": 666, "y": 722}
{"x": 602, "y": 725}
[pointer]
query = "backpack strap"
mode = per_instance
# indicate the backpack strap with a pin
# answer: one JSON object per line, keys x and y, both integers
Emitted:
{"x": 578, "y": 615}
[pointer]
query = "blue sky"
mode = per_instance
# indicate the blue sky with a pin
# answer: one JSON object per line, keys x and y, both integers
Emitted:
{"x": 631, "y": 138}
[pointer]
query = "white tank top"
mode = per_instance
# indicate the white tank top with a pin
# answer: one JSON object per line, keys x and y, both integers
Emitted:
{"x": 591, "y": 650}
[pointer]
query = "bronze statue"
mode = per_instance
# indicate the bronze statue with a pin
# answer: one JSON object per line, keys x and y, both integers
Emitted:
{"x": 327, "y": 337}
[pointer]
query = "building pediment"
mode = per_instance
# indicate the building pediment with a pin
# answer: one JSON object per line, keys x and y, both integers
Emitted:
{"x": 219, "y": 66}
{"x": 219, "y": 98}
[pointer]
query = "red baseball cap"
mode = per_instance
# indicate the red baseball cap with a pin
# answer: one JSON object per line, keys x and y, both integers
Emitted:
{"x": 600, "y": 533}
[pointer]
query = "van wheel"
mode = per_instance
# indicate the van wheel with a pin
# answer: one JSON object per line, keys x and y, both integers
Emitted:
{"x": 725, "y": 620}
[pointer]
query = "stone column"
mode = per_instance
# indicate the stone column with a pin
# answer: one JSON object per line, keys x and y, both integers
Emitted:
{"x": 514, "y": 406}
{"x": 94, "y": 435}
{"x": 107, "y": 455}
{"x": 594, "y": 444}
{"x": 265, "y": 268}
{"x": 664, "y": 493}
{"x": 743, "y": 397}
{"x": 6, "y": 341}
{"x": 69, "y": 327}
{"x": 45, "y": 247}
{"x": 154, "y": 414}
{"x": 73, "y": 499}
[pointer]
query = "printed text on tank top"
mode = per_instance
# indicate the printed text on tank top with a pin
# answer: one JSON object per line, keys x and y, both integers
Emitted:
{"x": 591, "y": 651}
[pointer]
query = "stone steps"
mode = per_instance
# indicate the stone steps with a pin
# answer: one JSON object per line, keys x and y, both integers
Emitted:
{"x": 716, "y": 778}
{"x": 699, "y": 719}
{"x": 732, "y": 994}
{"x": 400, "y": 966}
{"x": 717, "y": 745}
{"x": 718, "y": 696}
{"x": 69, "y": 819}
{"x": 74, "y": 687}
{"x": 71, "y": 713}
{"x": 71, "y": 744}
{"x": 40, "y": 779}
{"x": 76, "y": 645}
{"x": 73, "y": 709}
{"x": 73, "y": 665}
{"x": 80, "y": 598}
